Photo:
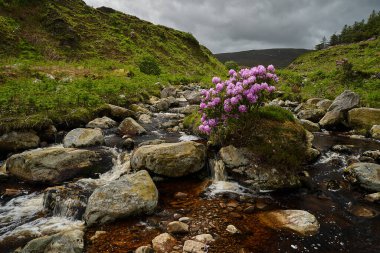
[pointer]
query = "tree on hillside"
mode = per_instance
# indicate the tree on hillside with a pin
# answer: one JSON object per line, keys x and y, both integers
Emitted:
{"x": 334, "y": 40}
{"x": 322, "y": 45}
{"x": 359, "y": 31}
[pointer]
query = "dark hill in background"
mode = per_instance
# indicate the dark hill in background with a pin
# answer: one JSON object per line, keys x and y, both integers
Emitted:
{"x": 280, "y": 58}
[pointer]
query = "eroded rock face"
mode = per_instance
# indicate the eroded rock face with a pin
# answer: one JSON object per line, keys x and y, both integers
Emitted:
{"x": 130, "y": 195}
{"x": 367, "y": 175}
{"x": 244, "y": 167}
{"x": 103, "y": 123}
{"x": 233, "y": 157}
{"x": 363, "y": 118}
{"x": 14, "y": 141}
{"x": 298, "y": 221}
{"x": 170, "y": 159}
{"x": 83, "y": 137}
{"x": 130, "y": 127}
{"x": 56, "y": 164}
{"x": 67, "y": 242}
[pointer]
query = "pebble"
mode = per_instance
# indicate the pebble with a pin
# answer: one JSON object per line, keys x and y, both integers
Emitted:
{"x": 177, "y": 216}
{"x": 180, "y": 195}
{"x": 236, "y": 215}
{"x": 12, "y": 193}
{"x": 192, "y": 246}
{"x": 177, "y": 227}
{"x": 232, "y": 229}
{"x": 185, "y": 219}
{"x": 163, "y": 243}
{"x": 233, "y": 203}
{"x": 144, "y": 249}
{"x": 204, "y": 238}
{"x": 373, "y": 197}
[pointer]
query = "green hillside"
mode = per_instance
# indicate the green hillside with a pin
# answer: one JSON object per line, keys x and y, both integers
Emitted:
{"x": 65, "y": 58}
{"x": 327, "y": 72}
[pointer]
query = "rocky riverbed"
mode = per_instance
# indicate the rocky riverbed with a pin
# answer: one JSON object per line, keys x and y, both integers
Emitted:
{"x": 137, "y": 180}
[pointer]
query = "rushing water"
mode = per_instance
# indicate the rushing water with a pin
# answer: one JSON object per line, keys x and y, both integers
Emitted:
{"x": 336, "y": 204}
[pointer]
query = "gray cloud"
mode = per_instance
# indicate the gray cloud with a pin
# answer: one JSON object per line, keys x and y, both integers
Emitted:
{"x": 236, "y": 25}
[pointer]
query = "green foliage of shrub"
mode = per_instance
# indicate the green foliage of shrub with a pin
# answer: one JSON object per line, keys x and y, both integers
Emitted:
{"x": 232, "y": 65}
{"x": 275, "y": 113}
{"x": 149, "y": 66}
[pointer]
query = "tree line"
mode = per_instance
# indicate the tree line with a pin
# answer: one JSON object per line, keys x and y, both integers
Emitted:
{"x": 359, "y": 31}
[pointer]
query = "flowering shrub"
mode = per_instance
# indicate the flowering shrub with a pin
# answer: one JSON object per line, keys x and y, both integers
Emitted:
{"x": 230, "y": 99}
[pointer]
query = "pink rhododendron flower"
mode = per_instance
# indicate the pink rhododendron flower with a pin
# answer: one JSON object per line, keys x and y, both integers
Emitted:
{"x": 216, "y": 80}
{"x": 241, "y": 93}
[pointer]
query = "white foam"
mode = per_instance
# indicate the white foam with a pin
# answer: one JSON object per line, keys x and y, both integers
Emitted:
{"x": 226, "y": 187}
{"x": 20, "y": 209}
{"x": 42, "y": 227}
{"x": 185, "y": 137}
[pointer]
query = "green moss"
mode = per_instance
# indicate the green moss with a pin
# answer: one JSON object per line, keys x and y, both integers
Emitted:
{"x": 271, "y": 133}
{"x": 275, "y": 113}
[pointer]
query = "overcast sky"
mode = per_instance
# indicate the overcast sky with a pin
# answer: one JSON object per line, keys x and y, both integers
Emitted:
{"x": 237, "y": 25}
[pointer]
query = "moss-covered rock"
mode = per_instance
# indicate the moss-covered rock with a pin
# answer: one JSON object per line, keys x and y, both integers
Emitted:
{"x": 170, "y": 159}
{"x": 54, "y": 165}
{"x": 363, "y": 118}
{"x": 275, "y": 145}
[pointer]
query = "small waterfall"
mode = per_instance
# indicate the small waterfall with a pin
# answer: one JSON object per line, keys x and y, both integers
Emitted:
{"x": 70, "y": 201}
{"x": 218, "y": 170}
{"x": 62, "y": 207}
{"x": 220, "y": 184}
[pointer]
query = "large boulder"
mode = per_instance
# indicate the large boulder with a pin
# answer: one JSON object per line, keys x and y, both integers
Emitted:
{"x": 120, "y": 113}
{"x": 130, "y": 127}
{"x": 336, "y": 115}
{"x": 170, "y": 159}
{"x": 363, "y": 118}
{"x": 332, "y": 119}
{"x": 130, "y": 195}
{"x": 14, "y": 141}
{"x": 345, "y": 101}
{"x": 313, "y": 115}
{"x": 298, "y": 221}
{"x": 324, "y": 104}
{"x": 56, "y": 164}
{"x": 310, "y": 126}
{"x": 65, "y": 242}
{"x": 83, "y": 137}
{"x": 244, "y": 166}
{"x": 103, "y": 123}
{"x": 367, "y": 175}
